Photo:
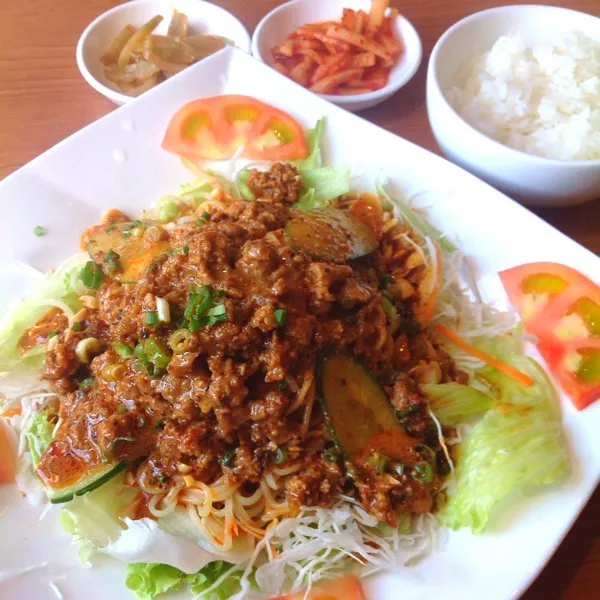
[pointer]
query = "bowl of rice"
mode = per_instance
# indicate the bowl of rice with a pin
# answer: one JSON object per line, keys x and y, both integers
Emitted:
{"x": 513, "y": 95}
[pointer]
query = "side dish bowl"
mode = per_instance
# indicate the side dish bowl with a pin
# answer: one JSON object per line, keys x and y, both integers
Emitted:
{"x": 283, "y": 20}
{"x": 203, "y": 17}
{"x": 535, "y": 180}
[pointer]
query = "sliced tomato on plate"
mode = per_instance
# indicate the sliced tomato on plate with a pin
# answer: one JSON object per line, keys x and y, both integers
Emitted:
{"x": 214, "y": 128}
{"x": 344, "y": 588}
{"x": 561, "y": 307}
{"x": 7, "y": 458}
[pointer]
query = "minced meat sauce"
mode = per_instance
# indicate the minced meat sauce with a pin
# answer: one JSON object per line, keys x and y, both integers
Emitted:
{"x": 218, "y": 398}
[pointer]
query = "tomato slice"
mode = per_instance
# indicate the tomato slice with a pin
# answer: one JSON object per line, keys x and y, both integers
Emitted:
{"x": 7, "y": 458}
{"x": 344, "y": 588}
{"x": 561, "y": 307}
{"x": 214, "y": 128}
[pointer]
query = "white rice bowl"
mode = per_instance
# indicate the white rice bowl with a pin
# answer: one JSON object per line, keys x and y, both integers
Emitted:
{"x": 543, "y": 98}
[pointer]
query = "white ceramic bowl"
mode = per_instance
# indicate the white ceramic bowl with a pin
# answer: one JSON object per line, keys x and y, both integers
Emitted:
{"x": 534, "y": 180}
{"x": 204, "y": 18}
{"x": 277, "y": 25}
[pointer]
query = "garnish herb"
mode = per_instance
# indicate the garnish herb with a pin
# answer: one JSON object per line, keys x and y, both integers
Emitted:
{"x": 227, "y": 459}
{"x": 280, "y": 455}
{"x": 39, "y": 231}
{"x": 91, "y": 275}
{"x": 87, "y": 383}
{"x": 77, "y": 326}
{"x": 378, "y": 461}
{"x": 151, "y": 317}
{"x": 123, "y": 350}
{"x": 422, "y": 472}
{"x": 280, "y": 316}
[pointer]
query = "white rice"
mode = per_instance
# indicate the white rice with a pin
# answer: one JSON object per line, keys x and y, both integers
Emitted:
{"x": 541, "y": 98}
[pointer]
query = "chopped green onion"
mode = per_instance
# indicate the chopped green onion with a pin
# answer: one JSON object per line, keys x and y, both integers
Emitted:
{"x": 52, "y": 334}
{"x": 77, "y": 326}
{"x": 185, "y": 250}
{"x": 151, "y": 317}
{"x": 405, "y": 412}
{"x": 227, "y": 459}
{"x": 87, "y": 383}
{"x": 110, "y": 228}
{"x": 205, "y": 215}
{"x": 330, "y": 454}
{"x": 280, "y": 316}
{"x": 217, "y": 311}
{"x": 195, "y": 325}
{"x": 158, "y": 353}
{"x": 125, "y": 438}
{"x": 123, "y": 350}
{"x": 199, "y": 302}
{"x": 139, "y": 366}
{"x": 426, "y": 452}
{"x": 39, "y": 231}
{"x": 91, "y": 275}
{"x": 168, "y": 213}
{"x": 378, "y": 461}
{"x": 280, "y": 455}
{"x": 422, "y": 472}
{"x": 121, "y": 409}
{"x": 388, "y": 308}
{"x": 284, "y": 384}
{"x": 112, "y": 261}
{"x": 163, "y": 310}
{"x": 199, "y": 222}
{"x": 181, "y": 340}
{"x": 385, "y": 279}
{"x": 397, "y": 468}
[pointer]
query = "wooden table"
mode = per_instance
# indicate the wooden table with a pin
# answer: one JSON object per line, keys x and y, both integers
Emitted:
{"x": 43, "y": 99}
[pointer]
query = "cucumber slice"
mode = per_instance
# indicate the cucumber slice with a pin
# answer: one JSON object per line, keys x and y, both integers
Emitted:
{"x": 330, "y": 234}
{"x": 358, "y": 412}
{"x": 65, "y": 475}
{"x": 122, "y": 250}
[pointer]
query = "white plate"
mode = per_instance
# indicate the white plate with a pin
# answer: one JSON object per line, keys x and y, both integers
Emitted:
{"x": 68, "y": 187}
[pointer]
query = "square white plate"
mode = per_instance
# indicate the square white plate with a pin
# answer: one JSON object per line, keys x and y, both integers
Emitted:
{"x": 118, "y": 162}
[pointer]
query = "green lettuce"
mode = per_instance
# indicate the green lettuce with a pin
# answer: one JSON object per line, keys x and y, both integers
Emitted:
{"x": 323, "y": 185}
{"x": 314, "y": 160}
{"x": 147, "y": 580}
{"x": 320, "y": 184}
{"x": 39, "y": 434}
{"x": 63, "y": 285}
{"x": 416, "y": 221}
{"x": 93, "y": 519}
{"x": 453, "y": 403}
{"x": 518, "y": 443}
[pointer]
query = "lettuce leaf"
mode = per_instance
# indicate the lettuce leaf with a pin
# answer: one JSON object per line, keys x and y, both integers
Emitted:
{"x": 314, "y": 160}
{"x": 323, "y": 185}
{"x": 453, "y": 403}
{"x": 147, "y": 580}
{"x": 518, "y": 443}
{"x": 416, "y": 221}
{"x": 39, "y": 434}
{"x": 63, "y": 286}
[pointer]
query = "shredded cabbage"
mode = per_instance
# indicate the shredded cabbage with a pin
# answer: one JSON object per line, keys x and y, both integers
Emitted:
{"x": 416, "y": 221}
